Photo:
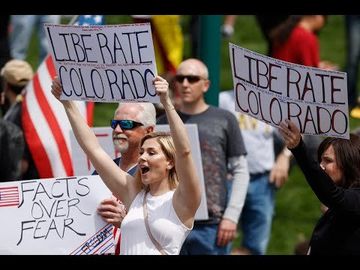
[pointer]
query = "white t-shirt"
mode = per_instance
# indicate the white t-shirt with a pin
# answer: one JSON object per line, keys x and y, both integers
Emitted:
{"x": 164, "y": 224}
{"x": 258, "y": 136}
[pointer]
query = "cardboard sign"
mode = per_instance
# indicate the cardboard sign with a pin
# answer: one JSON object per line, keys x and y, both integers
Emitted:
{"x": 272, "y": 90}
{"x": 54, "y": 216}
{"x": 104, "y": 63}
{"x": 202, "y": 212}
{"x": 81, "y": 163}
{"x": 83, "y": 166}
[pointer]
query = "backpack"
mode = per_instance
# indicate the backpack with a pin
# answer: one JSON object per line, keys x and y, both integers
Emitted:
{"x": 12, "y": 146}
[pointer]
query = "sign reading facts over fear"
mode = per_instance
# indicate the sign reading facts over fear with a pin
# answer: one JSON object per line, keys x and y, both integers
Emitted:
{"x": 272, "y": 90}
{"x": 55, "y": 216}
{"x": 104, "y": 63}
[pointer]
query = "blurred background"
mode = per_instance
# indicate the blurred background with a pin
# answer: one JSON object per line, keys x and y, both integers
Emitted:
{"x": 297, "y": 208}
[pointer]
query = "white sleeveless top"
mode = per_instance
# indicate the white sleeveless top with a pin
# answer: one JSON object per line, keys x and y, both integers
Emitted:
{"x": 164, "y": 224}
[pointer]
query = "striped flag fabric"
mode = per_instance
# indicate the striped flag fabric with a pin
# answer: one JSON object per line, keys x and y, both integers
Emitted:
{"x": 99, "y": 243}
{"x": 9, "y": 196}
{"x": 45, "y": 124}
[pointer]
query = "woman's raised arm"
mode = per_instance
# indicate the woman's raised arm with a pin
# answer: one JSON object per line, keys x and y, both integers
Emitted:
{"x": 188, "y": 194}
{"x": 121, "y": 184}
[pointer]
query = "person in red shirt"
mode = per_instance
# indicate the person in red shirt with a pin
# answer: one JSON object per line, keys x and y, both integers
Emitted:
{"x": 296, "y": 41}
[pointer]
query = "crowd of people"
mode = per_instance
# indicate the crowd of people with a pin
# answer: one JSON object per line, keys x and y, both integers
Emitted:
{"x": 245, "y": 161}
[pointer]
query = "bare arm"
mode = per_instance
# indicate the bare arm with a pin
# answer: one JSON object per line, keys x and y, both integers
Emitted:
{"x": 187, "y": 195}
{"x": 118, "y": 181}
{"x": 280, "y": 170}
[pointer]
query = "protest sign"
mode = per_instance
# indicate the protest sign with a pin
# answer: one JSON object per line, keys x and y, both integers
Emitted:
{"x": 81, "y": 163}
{"x": 54, "y": 216}
{"x": 104, "y": 63}
{"x": 192, "y": 130}
{"x": 272, "y": 90}
{"x": 83, "y": 166}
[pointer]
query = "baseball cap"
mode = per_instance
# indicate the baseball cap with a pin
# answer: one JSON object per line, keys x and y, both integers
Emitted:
{"x": 17, "y": 72}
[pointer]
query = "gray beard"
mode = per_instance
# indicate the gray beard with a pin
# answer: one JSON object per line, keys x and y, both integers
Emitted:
{"x": 121, "y": 148}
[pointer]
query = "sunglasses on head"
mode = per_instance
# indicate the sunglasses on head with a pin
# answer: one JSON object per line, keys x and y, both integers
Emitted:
{"x": 190, "y": 78}
{"x": 124, "y": 124}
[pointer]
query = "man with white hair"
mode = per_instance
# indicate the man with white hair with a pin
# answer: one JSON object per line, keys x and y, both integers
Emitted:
{"x": 132, "y": 121}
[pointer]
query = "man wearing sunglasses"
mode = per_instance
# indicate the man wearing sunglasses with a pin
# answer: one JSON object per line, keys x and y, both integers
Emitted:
{"x": 222, "y": 151}
{"x": 131, "y": 122}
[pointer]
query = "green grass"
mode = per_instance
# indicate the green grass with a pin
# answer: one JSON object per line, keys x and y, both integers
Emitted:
{"x": 297, "y": 208}
{"x": 296, "y": 212}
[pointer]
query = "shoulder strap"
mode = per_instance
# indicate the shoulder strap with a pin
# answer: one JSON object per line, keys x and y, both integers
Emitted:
{"x": 156, "y": 243}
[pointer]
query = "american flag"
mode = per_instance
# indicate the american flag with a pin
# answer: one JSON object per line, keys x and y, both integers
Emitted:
{"x": 9, "y": 196}
{"x": 45, "y": 125}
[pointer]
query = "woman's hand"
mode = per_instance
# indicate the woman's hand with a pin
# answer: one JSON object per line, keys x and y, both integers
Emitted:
{"x": 162, "y": 90}
{"x": 56, "y": 88}
{"x": 290, "y": 133}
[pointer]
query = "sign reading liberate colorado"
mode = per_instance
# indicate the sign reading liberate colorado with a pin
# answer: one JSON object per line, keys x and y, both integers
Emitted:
{"x": 272, "y": 90}
{"x": 104, "y": 63}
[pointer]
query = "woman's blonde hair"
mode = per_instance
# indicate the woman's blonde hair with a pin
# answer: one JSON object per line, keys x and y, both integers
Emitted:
{"x": 167, "y": 146}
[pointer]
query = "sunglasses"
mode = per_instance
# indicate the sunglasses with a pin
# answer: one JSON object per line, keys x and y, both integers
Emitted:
{"x": 124, "y": 124}
{"x": 190, "y": 78}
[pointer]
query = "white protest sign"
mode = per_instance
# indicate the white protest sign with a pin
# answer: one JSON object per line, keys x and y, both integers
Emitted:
{"x": 272, "y": 90}
{"x": 83, "y": 166}
{"x": 81, "y": 163}
{"x": 192, "y": 130}
{"x": 54, "y": 216}
{"x": 104, "y": 63}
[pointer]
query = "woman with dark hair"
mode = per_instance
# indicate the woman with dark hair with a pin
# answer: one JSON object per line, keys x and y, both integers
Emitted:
{"x": 272, "y": 25}
{"x": 335, "y": 180}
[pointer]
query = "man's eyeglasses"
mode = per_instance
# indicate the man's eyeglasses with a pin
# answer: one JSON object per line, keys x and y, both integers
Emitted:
{"x": 190, "y": 78}
{"x": 125, "y": 124}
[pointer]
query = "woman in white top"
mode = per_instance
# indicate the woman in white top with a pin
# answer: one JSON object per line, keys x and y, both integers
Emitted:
{"x": 171, "y": 204}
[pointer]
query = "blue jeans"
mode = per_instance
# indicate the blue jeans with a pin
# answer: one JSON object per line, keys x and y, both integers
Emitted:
{"x": 352, "y": 24}
{"x": 202, "y": 241}
{"x": 257, "y": 214}
{"x": 22, "y": 29}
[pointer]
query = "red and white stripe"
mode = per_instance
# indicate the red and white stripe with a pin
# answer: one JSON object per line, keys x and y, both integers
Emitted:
{"x": 45, "y": 124}
{"x": 9, "y": 196}
{"x": 117, "y": 240}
